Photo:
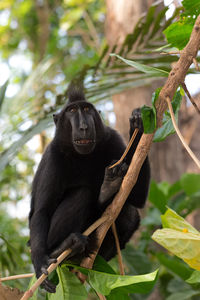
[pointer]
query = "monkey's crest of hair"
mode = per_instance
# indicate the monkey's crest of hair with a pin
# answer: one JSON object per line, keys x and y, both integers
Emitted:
{"x": 75, "y": 93}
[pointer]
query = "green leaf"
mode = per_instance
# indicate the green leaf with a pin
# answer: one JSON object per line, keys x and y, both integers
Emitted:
{"x": 175, "y": 265}
{"x": 69, "y": 286}
{"x": 148, "y": 118}
{"x": 180, "y": 238}
{"x": 101, "y": 265}
{"x": 32, "y": 281}
{"x": 178, "y": 34}
{"x": 104, "y": 283}
{"x": 118, "y": 295}
{"x": 194, "y": 278}
{"x": 186, "y": 294}
{"x": 168, "y": 128}
{"x": 190, "y": 183}
{"x": 157, "y": 197}
{"x": 185, "y": 245}
{"x": 149, "y": 114}
{"x": 143, "y": 68}
{"x": 136, "y": 260}
{"x": 182, "y": 92}
{"x": 172, "y": 220}
{"x": 192, "y": 7}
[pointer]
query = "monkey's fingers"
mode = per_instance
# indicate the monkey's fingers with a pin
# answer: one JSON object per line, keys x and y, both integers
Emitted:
{"x": 49, "y": 286}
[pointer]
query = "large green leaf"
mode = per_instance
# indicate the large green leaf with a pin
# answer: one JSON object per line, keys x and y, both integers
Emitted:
{"x": 180, "y": 238}
{"x": 104, "y": 283}
{"x": 69, "y": 287}
{"x": 178, "y": 34}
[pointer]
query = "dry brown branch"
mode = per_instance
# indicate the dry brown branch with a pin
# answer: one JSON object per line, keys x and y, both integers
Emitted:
{"x": 119, "y": 255}
{"x": 175, "y": 78}
{"x": 127, "y": 149}
{"x": 171, "y": 52}
{"x": 196, "y": 64}
{"x": 16, "y": 277}
{"x": 180, "y": 135}
{"x": 190, "y": 97}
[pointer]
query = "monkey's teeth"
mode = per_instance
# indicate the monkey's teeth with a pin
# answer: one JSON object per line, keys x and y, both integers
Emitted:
{"x": 84, "y": 142}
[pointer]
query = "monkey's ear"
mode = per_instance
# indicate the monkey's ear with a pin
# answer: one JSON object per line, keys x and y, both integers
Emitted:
{"x": 55, "y": 118}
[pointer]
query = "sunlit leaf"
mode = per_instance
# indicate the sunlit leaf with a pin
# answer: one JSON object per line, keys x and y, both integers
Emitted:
{"x": 172, "y": 220}
{"x": 180, "y": 238}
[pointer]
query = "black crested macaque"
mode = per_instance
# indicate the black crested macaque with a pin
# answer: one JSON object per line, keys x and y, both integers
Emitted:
{"x": 73, "y": 185}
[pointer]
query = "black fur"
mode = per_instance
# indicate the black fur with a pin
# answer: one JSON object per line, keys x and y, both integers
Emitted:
{"x": 67, "y": 196}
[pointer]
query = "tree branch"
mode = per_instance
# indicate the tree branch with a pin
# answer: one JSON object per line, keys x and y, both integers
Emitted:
{"x": 195, "y": 159}
{"x": 190, "y": 97}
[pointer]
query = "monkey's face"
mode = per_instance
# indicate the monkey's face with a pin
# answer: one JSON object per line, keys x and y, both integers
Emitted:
{"x": 83, "y": 132}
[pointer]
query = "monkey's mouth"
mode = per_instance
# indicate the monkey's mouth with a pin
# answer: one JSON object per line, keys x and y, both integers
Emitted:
{"x": 84, "y": 142}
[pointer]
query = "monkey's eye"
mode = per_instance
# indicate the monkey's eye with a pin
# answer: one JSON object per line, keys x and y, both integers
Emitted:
{"x": 73, "y": 109}
{"x": 86, "y": 108}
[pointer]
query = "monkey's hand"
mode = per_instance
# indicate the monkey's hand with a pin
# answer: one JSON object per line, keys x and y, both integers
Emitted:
{"x": 41, "y": 267}
{"x": 136, "y": 121}
{"x": 112, "y": 181}
{"x": 76, "y": 241}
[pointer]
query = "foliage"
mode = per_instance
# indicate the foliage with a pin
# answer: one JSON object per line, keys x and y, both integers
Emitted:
{"x": 183, "y": 196}
{"x": 178, "y": 33}
{"x": 180, "y": 238}
{"x": 75, "y": 48}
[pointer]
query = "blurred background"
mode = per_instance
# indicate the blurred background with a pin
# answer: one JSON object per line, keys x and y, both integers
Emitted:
{"x": 44, "y": 44}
